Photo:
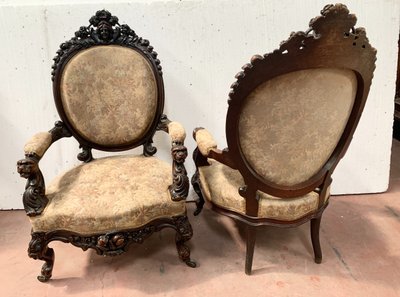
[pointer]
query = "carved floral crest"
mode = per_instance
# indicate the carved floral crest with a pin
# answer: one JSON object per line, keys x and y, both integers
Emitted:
{"x": 334, "y": 23}
{"x": 103, "y": 29}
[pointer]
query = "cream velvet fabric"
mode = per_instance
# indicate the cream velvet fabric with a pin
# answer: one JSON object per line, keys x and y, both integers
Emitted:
{"x": 108, "y": 194}
{"x": 176, "y": 132}
{"x": 38, "y": 144}
{"x": 109, "y": 94}
{"x": 205, "y": 141}
{"x": 221, "y": 183}
{"x": 290, "y": 125}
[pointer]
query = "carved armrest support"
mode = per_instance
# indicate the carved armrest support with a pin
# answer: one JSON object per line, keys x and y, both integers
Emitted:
{"x": 34, "y": 198}
{"x": 207, "y": 147}
{"x": 179, "y": 189}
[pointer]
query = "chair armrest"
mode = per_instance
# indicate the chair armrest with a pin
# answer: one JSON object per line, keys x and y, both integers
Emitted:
{"x": 38, "y": 144}
{"x": 205, "y": 141}
{"x": 179, "y": 189}
{"x": 207, "y": 147}
{"x": 176, "y": 132}
{"x": 34, "y": 198}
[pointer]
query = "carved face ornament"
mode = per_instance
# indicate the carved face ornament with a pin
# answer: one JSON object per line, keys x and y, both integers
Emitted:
{"x": 104, "y": 30}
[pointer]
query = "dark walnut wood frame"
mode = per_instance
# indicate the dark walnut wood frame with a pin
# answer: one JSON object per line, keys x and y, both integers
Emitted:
{"x": 104, "y": 29}
{"x": 330, "y": 42}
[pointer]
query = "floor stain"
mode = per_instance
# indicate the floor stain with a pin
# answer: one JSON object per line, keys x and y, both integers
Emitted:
{"x": 343, "y": 262}
{"x": 392, "y": 211}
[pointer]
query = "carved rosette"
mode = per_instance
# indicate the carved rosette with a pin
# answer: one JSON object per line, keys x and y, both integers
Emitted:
{"x": 103, "y": 29}
{"x": 108, "y": 244}
{"x": 111, "y": 244}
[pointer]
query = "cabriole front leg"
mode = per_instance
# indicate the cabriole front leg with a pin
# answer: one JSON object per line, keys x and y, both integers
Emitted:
{"x": 38, "y": 249}
{"x": 183, "y": 233}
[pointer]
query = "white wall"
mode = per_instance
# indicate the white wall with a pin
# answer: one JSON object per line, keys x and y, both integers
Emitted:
{"x": 202, "y": 45}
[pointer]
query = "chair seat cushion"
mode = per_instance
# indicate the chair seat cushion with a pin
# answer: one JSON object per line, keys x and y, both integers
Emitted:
{"x": 113, "y": 193}
{"x": 220, "y": 185}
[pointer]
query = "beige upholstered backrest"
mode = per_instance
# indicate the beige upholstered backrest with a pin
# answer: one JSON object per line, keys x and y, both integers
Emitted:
{"x": 290, "y": 125}
{"x": 109, "y": 94}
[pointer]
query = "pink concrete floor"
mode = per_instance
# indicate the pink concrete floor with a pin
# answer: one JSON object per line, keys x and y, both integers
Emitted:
{"x": 360, "y": 238}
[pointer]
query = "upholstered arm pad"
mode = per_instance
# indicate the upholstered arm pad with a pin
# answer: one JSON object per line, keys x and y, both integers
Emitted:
{"x": 205, "y": 141}
{"x": 38, "y": 144}
{"x": 177, "y": 132}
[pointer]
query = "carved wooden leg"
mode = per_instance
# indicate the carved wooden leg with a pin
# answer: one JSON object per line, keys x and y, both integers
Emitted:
{"x": 38, "y": 249}
{"x": 196, "y": 187}
{"x": 315, "y": 223}
{"x": 250, "y": 242}
{"x": 183, "y": 233}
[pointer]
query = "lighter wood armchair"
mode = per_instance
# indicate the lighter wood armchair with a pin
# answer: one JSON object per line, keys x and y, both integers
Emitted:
{"x": 291, "y": 117}
{"x": 109, "y": 93}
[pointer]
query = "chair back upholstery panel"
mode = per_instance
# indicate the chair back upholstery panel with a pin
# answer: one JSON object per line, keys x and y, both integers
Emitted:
{"x": 108, "y": 86}
{"x": 290, "y": 125}
{"x": 109, "y": 94}
{"x": 292, "y": 112}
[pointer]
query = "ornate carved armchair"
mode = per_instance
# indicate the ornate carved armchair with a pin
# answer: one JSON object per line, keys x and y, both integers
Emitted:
{"x": 291, "y": 116}
{"x": 109, "y": 93}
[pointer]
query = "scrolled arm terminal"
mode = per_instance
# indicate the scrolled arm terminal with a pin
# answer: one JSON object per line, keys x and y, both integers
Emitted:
{"x": 34, "y": 198}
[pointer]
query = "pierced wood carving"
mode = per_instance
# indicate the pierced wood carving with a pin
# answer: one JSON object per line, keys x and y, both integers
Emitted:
{"x": 34, "y": 198}
{"x": 335, "y": 25}
{"x": 109, "y": 244}
{"x": 104, "y": 29}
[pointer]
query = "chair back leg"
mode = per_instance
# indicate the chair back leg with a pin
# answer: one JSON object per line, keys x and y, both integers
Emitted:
{"x": 314, "y": 227}
{"x": 250, "y": 242}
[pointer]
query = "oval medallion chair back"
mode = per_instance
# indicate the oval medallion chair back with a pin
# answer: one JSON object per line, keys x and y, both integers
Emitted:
{"x": 291, "y": 116}
{"x": 109, "y": 93}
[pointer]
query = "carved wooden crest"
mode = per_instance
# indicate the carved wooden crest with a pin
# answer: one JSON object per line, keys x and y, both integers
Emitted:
{"x": 104, "y": 29}
{"x": 335, "y": 26}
